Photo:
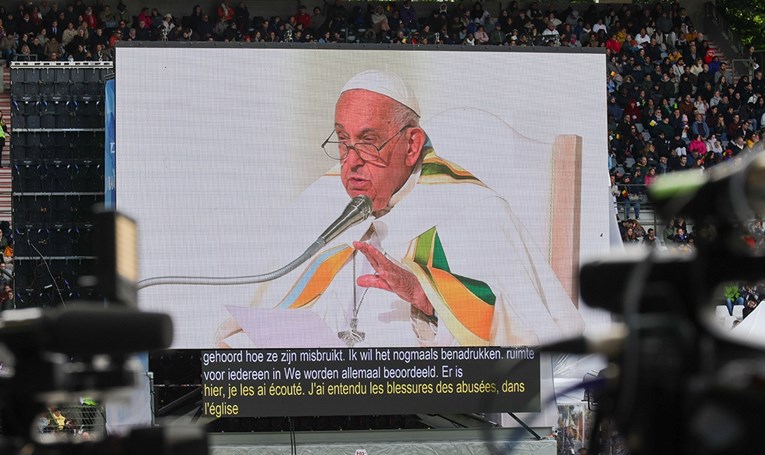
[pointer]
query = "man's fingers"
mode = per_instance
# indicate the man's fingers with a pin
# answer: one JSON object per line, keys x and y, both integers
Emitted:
{"x": 388, "y": 274}
{"x": 366, "y": 250}
{"x": 373, "y": 281}
{"x": 374, "y": 257}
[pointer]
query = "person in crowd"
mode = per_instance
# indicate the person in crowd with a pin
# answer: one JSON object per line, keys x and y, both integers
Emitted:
{"x": 650, "y": 239}
{"x": 7, "y": 296}
{"x": 57, "y": 419}
{"x": 750, "y": 306}
{"x": 630, "y": 236}
{"x": 650, "y": 176}
{"x": 681, "y": 236}
{"x": 5, "y": 276}
{"x": 629, "y": 197}
{"x": 480, "y": 35}
{"x": 379, "y": 22}
{"x": 68, "y": 34}
{"x": 107, "y": 18}
{"x": 668, "y": 233}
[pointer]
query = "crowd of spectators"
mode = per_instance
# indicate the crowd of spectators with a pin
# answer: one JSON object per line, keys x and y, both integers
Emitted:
{"x": 79, "y": 31}
{"x": 672, "y": 103}
{"x": 675, "y": 236}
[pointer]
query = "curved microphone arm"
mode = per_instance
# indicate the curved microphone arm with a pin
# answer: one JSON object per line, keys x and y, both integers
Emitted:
{"x": 234, "y": 280}
{"x": 355, "y": 212}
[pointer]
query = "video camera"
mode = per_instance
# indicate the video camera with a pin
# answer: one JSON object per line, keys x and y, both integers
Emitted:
{"x": 674, "y": 384}
{"x": 53, "y": 357}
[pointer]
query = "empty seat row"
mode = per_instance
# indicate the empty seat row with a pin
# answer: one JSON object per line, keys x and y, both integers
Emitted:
{"x": 58, "y": 176}
{"x": 57, "y": 240}
{"x": 50, "y": 75}
{"x": 53, "y": 209}
{"x": 65, "y": 114}
{"x": 34, "y": 281}
{"x": 32, "y": 82}
{"x": 57, "y": 145}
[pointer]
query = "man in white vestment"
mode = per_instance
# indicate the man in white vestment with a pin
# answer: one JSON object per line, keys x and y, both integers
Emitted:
{"x": 441, "y": 261}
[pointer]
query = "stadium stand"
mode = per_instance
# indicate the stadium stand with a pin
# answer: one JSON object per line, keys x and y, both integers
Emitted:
{"x": 674, "y": 102}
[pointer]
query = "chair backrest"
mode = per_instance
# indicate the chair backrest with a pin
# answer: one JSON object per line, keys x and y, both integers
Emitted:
{"x": 541, "y": 180}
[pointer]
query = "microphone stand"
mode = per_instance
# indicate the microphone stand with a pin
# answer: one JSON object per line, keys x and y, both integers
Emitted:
{"x": 357, "y": 211}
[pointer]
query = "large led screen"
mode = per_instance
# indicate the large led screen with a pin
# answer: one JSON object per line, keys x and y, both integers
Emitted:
{"x": 485, "y": 174}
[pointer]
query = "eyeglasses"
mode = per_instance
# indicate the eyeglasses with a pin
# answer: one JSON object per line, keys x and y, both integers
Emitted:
{"x": 370, "y": 153}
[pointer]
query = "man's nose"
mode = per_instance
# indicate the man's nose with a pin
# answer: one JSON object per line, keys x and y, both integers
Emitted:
{"x": 354, "y": 159}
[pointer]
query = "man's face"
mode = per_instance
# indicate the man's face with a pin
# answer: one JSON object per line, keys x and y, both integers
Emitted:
{"x": 364, "y": 116}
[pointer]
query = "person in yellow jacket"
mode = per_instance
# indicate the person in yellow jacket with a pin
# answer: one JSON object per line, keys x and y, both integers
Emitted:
{"x": 57, "y": 419}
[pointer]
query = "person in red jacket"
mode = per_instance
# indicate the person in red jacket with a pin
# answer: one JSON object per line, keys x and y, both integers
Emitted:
{"x": 613, "y": 44}
{"x": 303, "y": 17}
{"x": 89, "y": 18}
{"x": 225, "y": 11}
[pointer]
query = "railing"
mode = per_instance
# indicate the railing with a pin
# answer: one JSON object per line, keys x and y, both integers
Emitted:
{"x": 740, "y": 65}
{"x": 711, "y": 11}
{"x": 648, "y": 218}
{"x": 747, "y": 66}
{"x": 79, "y": 420}
{"x": 743, "y": 66}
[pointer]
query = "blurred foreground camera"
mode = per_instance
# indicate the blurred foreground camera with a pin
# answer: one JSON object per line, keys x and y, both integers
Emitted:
{"x": 57, "y": 364}
{"x": 675, "y": 384}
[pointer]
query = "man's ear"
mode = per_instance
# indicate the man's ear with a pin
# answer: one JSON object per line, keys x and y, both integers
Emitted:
{"x": 415, "y": 140}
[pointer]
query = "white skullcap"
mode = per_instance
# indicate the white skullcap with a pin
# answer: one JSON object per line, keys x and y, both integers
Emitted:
{"x": 384, "y": 83}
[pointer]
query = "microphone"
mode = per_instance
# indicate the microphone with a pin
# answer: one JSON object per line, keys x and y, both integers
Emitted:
{"x": 354, "y": 213}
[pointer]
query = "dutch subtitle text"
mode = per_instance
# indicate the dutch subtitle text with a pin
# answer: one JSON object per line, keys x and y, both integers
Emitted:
{"x": 236, "y": 382}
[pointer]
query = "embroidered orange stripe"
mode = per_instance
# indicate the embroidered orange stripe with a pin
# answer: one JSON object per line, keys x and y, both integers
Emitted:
{"x": 475, "y": 314}
{"x": 316, "y": 280}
